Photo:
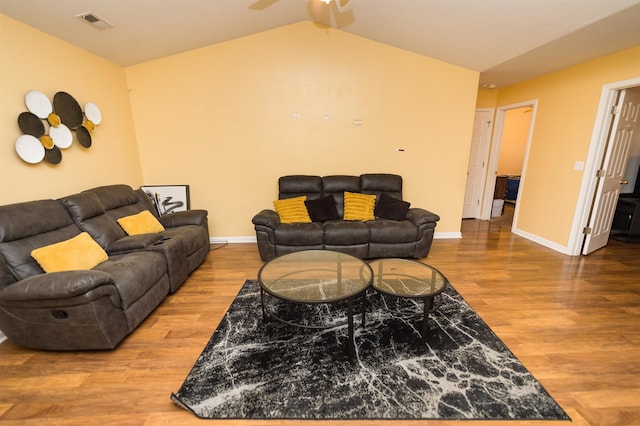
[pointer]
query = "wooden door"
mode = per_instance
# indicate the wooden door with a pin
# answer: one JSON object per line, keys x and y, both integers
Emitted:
{"x": 611, "y": 174}
{"x": 477, "y": 168}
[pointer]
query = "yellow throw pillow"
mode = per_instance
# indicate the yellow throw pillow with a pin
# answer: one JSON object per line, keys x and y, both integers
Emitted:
{"x": 358, "y": 206}
{"x": 140, "y": 223}
{"x": 292, "y": 210}
{"x": 79, "y": 252}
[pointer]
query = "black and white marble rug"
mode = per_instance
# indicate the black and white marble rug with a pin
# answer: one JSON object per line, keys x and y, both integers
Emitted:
{"x": 252, "y": 369}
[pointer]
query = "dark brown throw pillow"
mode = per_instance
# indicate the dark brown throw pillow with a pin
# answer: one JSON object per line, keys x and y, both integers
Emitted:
{"x": 392, "y": 208}
{"x": 322, "y": 209}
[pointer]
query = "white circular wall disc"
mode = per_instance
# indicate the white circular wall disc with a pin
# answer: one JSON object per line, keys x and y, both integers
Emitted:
{"x": 93, "y": 113}
{"x": 61, "y": 136}
{"x": 30, "y": 149}
{"x": 38, "y": 103}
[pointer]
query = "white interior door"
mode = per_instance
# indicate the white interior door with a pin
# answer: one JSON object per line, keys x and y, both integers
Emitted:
{"x": 611, "y": 175}
{"x": 478, "y": 158}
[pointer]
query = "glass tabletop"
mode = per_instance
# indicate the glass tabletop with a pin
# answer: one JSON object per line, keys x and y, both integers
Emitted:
{"x": 315, "y": 276}
{"x": 407, "y": 278}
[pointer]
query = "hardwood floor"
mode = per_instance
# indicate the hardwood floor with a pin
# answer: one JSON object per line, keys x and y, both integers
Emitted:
{"x": 574, "y": 322}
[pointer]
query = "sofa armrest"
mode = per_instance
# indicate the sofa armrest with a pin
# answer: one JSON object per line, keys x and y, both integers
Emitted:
{"x": 133, "y": 243}
{"x": 55, "y": 285}
{"x": 421, "y": 216}
{"x": 188, "y": 217}
{"x": 268, "y": 218}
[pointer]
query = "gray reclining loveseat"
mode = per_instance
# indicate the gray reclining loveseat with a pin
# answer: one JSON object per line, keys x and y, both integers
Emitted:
{"x": 94, "y": 308}
{"x": 408, "y": 235}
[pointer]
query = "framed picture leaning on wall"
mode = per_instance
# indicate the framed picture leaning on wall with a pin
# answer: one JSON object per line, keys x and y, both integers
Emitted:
{"x": 168, "y": 198}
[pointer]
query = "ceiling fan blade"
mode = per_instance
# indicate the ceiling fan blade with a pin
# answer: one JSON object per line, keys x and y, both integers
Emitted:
{"x": 262, "y": 4}
{"x": 344, "y": 18}
{"x": 341, "y": 3}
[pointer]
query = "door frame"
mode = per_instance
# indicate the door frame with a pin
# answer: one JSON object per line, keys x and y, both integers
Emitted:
{"x": 494, "y": 156}
{"x": 599, "y": 137}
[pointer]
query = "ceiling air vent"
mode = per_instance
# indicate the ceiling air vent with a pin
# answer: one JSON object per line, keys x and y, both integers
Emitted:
{"x": 95, "y": 21}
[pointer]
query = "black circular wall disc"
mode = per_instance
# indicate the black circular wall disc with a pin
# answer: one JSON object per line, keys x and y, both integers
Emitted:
{"x": 53, "y": 155}
{"x": 83, "y": 136}
{"x": 30, "y": 124}
{"x": 68, "y": 109}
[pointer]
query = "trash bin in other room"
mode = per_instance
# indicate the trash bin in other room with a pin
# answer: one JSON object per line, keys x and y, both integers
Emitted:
{"x": 497, "y": 209}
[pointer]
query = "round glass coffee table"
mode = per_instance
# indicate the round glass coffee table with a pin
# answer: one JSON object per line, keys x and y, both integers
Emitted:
{"x": 315, "y": 277}
{"x": 405, "y": 278}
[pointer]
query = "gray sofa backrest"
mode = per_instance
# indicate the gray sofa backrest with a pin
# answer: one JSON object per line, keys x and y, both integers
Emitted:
{"x": 118, "y": 200}
{"x": 146, "y": 202}
{"x": 316, "y": 187}
{"x": 298, "y": 185}
{"x": 377, "y": 183}
{"x": 89, "y": 214}
{"x": 40, "y": 223}
{"x": 337, "y": 185}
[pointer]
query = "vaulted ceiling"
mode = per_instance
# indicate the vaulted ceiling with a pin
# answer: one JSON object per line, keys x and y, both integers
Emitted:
{"x": 507, "y": 41}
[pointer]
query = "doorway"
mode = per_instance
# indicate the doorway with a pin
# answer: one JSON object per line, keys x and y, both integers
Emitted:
{"x": 513, "y": 132}
{"x": 596, "y": 155}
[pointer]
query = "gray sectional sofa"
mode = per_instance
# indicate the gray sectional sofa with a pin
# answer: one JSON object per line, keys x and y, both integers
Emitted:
{"x": 397, "y": 231}
{"x": 91, "y": 308}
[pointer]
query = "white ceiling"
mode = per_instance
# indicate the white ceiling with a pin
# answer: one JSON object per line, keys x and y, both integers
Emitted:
{"x": 505, "y": 40}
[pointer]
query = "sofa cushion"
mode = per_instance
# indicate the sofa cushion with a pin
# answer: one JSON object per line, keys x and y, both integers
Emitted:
{"x": 118, "y": 200}
{"x": 336, "y": 186}
{"x": 299, "y": 234}
{"x": 392, "y": 231}
{"x": 43, "y": 222}
{"x": 358, "y": 206}
{"x": 378, "y": 183}
{"x": 192, "y": 237}
{"x": 322, "y": 209}
{"x": 342, "y": 233}
{"x": 134, "y": 274}
{"x": 297, "y": 185}
{"x": 114, "y": 196}
{"x": 292, "y": 210}
{"x": 392, "y": 208}
{"x": 140, "y": 223}
{"x": 88, "y": 212}
{"x": 77, "y": 253}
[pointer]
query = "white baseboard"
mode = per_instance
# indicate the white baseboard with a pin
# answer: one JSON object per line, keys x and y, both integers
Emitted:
{"x": 446, "y": 235}
{"x": 536, "y": 239}
{"x": 2, "y": 337}
{"x": 232, "y": 240}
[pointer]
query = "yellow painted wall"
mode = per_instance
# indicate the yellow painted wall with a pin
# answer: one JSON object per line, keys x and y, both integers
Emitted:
{"x": 487, "y": 98}
{"x": 515, "y": 133}
{"x": 32, "y": 60}
{"x": 567, "y": 107}
{"x": 223, "y": 120}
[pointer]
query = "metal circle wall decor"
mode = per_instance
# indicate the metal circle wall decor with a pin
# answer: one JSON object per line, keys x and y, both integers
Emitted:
{"x": 53, "y": 155}
{"x": 61, "y": 135}
{"x": 30, "y": 124}
{"x": 30, "y": 149}
{"x": 38, "y": 103}
{"x": 47, "y": 126}
{"x": 68, "y": 109}
{"x": 83, "y": 136}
